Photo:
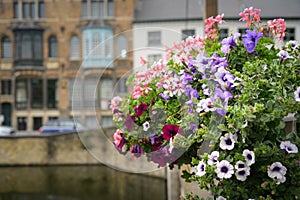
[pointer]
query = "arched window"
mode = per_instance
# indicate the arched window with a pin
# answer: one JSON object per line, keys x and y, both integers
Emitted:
{"x": 74, "y": 48}
{"x": 52, "y": 47}
{"x": 122, "y": 46}
{"x": 6, "y": 47}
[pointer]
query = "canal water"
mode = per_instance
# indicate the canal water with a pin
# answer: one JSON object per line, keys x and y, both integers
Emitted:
{"x": 77, "y": 183}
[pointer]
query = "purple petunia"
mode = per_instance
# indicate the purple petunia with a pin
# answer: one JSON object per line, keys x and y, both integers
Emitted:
{"x": 250, "y": 40}
{"x": 229, "y": 42}
{"x": 225, "y": 78}
{"x": 137, "y": 150}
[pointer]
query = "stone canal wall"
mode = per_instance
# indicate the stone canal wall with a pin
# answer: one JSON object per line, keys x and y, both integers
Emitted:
{"x": 92, "y": 148}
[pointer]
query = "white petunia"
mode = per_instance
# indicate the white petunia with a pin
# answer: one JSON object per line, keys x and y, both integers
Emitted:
{"x": 297, "y": 94}
{"x": 146, "y": 126}
{"x": 249, "y": 156}
{"x": 277, "y": 171}
{"x": 200, "y": 169}
{"x": 224, "y": 169}
{"x": 227, "y": 141}
{"x": 289, "y": 147}
{"x": 213, "y": 158}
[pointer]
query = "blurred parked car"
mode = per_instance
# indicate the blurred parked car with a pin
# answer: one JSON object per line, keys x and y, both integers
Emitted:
{"x": 6, "y": 130}
{"x": 61, "y": 126}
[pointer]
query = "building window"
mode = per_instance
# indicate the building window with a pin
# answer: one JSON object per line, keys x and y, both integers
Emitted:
{"x": 16, "y": 10}
{"x": 22, "y": 123}
{"x": 52, "y": 47}
{"x": 29, "y": 10}
{"x": 187, "y": 32}
{"x": 223, "y": 33}
{"x": 21, "y": 94}
{"x": 290, "y": 34}
{"x": 153, "y": 58}
{"x": 154, "y": 38}
{"x": 41, "y": 10}
{"x": 97, "y": 48}
{"x": 121, "y": 87}
{"x": 122, "y": 46}
{"x": 95, "y": 9}
{"x": 74, "y": 48}
{"x": 106, "y": 91}
{"x": 52, "y": 94}
{"x": 37, "y": 123}
{"x": 28, "y": 47}
{"x": 6, "y": 47}
{"x": 6, "y": 87}
{"x": 106, "y": 121}
{"x": 37, "y": 93}
{"x": 90, "y": 93}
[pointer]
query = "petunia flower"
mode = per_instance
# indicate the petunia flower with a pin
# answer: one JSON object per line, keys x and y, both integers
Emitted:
{"x": 242, "y": 174}
{"x": 119, "y": 139}
{"x": 277, "y": 171}
{"x": 224, "y": 169}
{"x": 146, "y": 126}
{"x": 283, "y": 55}
{"x": 229, "y": 42}
{"x": 156, "y": 141}
{"x": 249, "y": 157}
{"x": 200, "y": 169}
{"x": 297, "y": 94}
{"x": 250, "y": 40}
{"x": 141, "y": 109}
{"x": 289, "y": 147}
{"x": 136, "y": 150}
{"x": 170, "y": 130}
{"x": 227, "y": 141}
{"x": 241, "y": 165}
{"x": 221, "y": 198}
{"x": 213, "y": 158}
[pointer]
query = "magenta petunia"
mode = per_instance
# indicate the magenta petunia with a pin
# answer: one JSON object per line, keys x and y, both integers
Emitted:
{"x": 170, "y": 130}
{"x": 141, "y": 109}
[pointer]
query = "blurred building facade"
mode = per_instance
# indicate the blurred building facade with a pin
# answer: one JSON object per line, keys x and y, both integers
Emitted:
{"x": 161, "y": 23}
{"x": 44, "y": 45}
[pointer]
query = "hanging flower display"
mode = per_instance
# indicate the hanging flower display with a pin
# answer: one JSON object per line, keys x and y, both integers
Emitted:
{"x": 219, "y": 107}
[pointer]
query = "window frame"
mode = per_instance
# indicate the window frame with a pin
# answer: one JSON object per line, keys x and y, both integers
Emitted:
{"x": 74, "y": 48}
{"x": 290, "y": 35}
{"x": 6, "y": 86}
{"x": 185, "y": 33}
{"x": 96, "y": 42}
{"x": 6, "y": 50}
{"x": 154, "y": 38}
{"x": 97, "y": 9}
{"x": 52, "y": 47}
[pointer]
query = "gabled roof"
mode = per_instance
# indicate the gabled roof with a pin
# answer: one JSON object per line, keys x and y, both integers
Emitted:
{"x": 173, "y": 10}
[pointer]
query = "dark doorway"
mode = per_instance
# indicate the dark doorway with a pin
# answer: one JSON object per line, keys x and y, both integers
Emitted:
{"x": 6, "y": 112}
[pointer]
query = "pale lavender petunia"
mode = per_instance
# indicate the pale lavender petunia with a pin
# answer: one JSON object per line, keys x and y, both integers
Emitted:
{"x": 229, "y": 42}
